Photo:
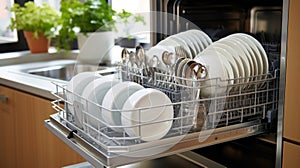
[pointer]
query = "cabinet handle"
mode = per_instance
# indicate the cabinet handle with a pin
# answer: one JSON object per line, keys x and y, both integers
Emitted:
{"x": 3, "y": 98}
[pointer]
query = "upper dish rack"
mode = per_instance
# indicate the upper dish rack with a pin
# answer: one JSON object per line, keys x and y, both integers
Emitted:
{"x": 195, "y": 117}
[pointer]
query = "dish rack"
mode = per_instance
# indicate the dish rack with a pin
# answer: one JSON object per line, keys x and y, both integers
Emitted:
{"x": 244, "y": 110}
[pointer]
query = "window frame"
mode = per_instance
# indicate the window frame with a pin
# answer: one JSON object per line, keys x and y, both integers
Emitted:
{"x": 21, "y": 44}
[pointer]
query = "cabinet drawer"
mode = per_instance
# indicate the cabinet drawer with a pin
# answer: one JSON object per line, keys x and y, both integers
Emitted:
{"x": 6, "y": 99}
{"x": 291, "y": 155}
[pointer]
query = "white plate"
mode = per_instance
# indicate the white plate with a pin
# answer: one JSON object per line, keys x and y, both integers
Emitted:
{"x": 197, "y": 41}
{"x": 95, "y": 92}
{"x": 216, "y": 83}
{"x": 234, "y": 75}
{"x": 189, "y": 35}
{"x": 114, "y": 99}
{"x": 183, "y": 44}
{"x": 245, "y": 62}
{"x": 173, "y": 42}
{"x": 250, "y": 55}
{"x": 225, "y": 61}
{"x": 189, "y": 42}
{"x": 203, "y": 37}
{"x": 263, "y": 55}
{"x": 131, "y": 117}
{"x": 247, "y": 55}
{"x": 207, "y": 40}
{"x": 235, "y": 56}
{"x": 75, "y": 88}
{"x": 255, "y": 51}
{"x": 227, "y": 52}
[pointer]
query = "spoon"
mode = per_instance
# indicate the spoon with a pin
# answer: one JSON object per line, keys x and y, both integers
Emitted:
{"x": 124, "y": 56}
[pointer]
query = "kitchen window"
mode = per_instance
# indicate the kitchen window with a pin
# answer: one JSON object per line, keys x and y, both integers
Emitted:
{"x": 11, "y": 41}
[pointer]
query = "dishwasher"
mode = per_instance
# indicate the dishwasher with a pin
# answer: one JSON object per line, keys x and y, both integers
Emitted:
{"x": 198, "y": 122}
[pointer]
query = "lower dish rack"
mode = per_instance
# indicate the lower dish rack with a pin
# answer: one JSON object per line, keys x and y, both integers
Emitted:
{"x": 246, "y": 109}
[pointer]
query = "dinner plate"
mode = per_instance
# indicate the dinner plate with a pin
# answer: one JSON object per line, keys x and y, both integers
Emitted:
{"x": 172, "y": 44}
{"x": 243, "y": 58}
{"x": 202, "y": 38}
{"x": 114, "y": 100}
{"x": 227, "y": 53}
{"x": 225, "y": 61}
{"x": 237, "y": 59}
{"x": 247, "y": 55}
{"x": 189, "y": 42}
{"x": 93, "y": 95}
{"x": 255, "y": 51}
{"x": 207, "y": 40}
{"x": 250, "y": 55}
{"x": 215, "y": 83}
{"x": 183, "y": 44}
{"x": 74, "y": 89}
{"x": 197, "y": 41}
{"x": 263, "y": 55}
{"x": 155, "y": 121}
{"x": 189, "y": 35}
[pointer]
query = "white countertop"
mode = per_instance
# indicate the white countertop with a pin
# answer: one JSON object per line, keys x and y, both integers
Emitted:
{"x": 13, "y": 68}
{"x": 12, "y": 76}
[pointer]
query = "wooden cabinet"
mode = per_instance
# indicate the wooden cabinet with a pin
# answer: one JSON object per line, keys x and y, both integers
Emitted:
{"x": 7, "y": 125}
{"x": 27, "y": 142}
{"x": 292, "y": 92}
{"x": 291, "y": 155}
{"x": 291, "y": 129}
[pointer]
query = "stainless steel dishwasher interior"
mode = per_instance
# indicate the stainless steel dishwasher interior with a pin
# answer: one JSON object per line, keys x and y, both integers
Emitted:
{"x": 67, "y": 71}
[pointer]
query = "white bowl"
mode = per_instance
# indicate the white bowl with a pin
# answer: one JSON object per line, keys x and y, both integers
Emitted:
{"x": 75, "y": 88}
{"x": 156, "y": 122}
{"x": 94, "y": 92}
{"x": 114, "y": 99}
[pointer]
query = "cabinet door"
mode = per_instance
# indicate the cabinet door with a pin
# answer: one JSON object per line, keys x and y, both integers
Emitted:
{"x": 7, "y": 137}
{"x": 291, "y": 155}
{"x": 38, "y": 147}
{"x": 292, "y": 101}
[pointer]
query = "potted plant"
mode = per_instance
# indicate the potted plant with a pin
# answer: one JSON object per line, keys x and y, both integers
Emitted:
{"x": 37, "y": 22}
{"x": 81, "y": 18}
{"x": 126, "y": 22}
{"x": 92, "y": 22}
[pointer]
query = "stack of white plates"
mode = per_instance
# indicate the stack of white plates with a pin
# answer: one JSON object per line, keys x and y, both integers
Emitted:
{"x": 126, "y": 107}
{"x": 190, "y": 42}
{"x": 242, "y": 59}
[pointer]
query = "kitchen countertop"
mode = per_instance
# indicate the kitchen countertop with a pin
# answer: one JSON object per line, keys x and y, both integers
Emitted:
{"x": 13, "y": 66}
{"x": 12, "y": 76}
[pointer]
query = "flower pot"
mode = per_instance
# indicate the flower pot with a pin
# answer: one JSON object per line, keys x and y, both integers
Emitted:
{"x": 37, "y": 45}
{"x": 127, "y": 42}
{"x": 96, "y": 47}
